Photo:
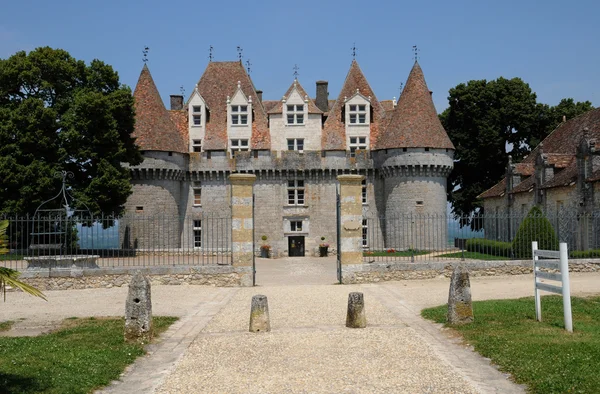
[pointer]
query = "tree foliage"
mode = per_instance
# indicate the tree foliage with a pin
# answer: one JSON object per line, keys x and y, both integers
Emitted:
{"x": 535, "y": 227}
{"x": 484, "y": 120}
{"x": 57, "y": 113}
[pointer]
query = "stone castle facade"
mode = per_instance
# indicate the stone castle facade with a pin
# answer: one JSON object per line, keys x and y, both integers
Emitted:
{"x": 296, "y": 147}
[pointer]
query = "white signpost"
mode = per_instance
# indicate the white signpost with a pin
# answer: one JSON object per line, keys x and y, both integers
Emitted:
{"x": 562, "y": 265}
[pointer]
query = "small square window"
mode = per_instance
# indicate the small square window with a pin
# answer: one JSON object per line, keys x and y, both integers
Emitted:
{"x": 197, "y": 145}
{"x": 197, "y": 120}
{"x": 197, "y": 188}
{"x": 196, "y": 108}
{"x": 139, "y": 209}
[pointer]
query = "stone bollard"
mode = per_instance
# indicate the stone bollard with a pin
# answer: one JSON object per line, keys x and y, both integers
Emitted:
{"x": 355, "y": 318}
{"x": 460, "y": 308}
{"x": 138, "y": 310}
{"x": 259, "y": 314}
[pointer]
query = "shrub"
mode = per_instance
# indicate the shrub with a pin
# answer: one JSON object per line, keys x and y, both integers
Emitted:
{"x": 488, "y": 246}
{"x": 584, "y": 254}
{"x": 535, "y": 227}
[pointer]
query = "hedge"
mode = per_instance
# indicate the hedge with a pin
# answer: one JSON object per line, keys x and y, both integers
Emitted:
{"x": 584, "y": 254}
{"x": 488, "y": 246}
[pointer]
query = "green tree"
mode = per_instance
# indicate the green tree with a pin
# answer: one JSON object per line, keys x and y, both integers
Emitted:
{"x": 57, "y": 113}
{"x": 535, "y": 227}
{"x": 487, "y": 121}
{"x": 8, "y": 276}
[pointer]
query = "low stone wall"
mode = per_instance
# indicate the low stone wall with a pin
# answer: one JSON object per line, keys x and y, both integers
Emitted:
{"x": 379, "y": 272}
{"x": 65, "y": 279}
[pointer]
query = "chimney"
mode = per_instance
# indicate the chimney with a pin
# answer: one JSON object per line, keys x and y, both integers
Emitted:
{"x": 176, "y": 102}
{"x": 259, "y": 95}
{"x": 322, "y": 100}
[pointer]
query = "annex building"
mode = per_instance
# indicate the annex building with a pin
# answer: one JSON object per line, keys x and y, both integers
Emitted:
{"x": 296, "y": 146}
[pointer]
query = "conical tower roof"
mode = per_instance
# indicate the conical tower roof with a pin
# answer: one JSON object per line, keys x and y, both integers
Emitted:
{"x": 334, "y": 129}
{"x": 154, "y": 129}
{"x": 414, "y": 122}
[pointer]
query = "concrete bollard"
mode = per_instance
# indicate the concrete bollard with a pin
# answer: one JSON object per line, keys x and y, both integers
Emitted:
{"x": 460, "y": 307}
{"x": 138, "y": 310}
{"x": 259, "y": 314}
{"x": 355, "y": 318}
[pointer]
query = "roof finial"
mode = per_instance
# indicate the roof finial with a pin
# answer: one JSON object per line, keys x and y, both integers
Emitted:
{"x": 401, "y": 88}
{"x": 353, "y": 51}
{"x": 145, "y": 52}
{"x": 416, "y": 52}
{"x": 248, "y": 64}
{"x": 296, "y": 68}
{"x": 239, "y": 51}
{"x": 210, "y": 53}
{"x": 182, "y": 90}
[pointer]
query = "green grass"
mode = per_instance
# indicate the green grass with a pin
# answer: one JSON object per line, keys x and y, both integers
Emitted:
{"x": 474, "y": 255}
{"x": 542, "y": 355}
{"x": 83, "y": 355}
{"x": 400, "y": 253}
{"x": 9, "y": 257}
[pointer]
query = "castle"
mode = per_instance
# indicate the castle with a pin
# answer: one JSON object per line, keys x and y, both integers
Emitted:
{"x": 296, "y": 147}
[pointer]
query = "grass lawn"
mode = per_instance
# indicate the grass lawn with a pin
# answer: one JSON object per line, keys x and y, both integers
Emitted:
{"x": 543, "y": 355}
{"x": 399, "y": 253}
{"x": 474, "y": 255}
{"x": 83, "y": 355}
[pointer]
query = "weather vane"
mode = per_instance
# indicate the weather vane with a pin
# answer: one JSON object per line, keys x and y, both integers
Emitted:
{"x": 239, "y": 51}
{"x": 182, "y": 90}
{"x": 416, "y": 52}
{"x": 296, "y": 73}
{"x": 210, "y": 53}
{"x": 248, "y": 64}
{"x": 145, "y": 52}
{"x": 401, "y": 88}
{"x": 354, "y": 51}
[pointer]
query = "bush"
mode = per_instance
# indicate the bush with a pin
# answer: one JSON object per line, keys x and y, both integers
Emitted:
{"x": 488, "y": 246}
{"x": 535, "y": 227}
{"x": 584, "y": 254}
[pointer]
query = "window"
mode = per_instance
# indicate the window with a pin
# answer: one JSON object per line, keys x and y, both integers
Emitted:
{"x": 197, "y": 115}
{"x": 197, "y": 228}
{"x": 296, "y": 226}
{"x": 296, "y": 192}
{"x": 196, "y": 145}
{"x": 296, "y": 144}
{"x": 239, "y": 114}
{"x": 197, "y": 187}
{"x": 238, "y": 145}
{"x": 357, "y": 113}
{"x": 365, "y": 232}
{"x": 357, "y": 143}
{"x": 364, "y": 191}
{"x": 295, "y": 114}
{"x": 139, "y": 209}
{"x": 419, "y": 203}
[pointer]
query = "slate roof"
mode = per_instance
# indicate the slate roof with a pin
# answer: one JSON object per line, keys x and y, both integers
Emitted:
{"x": 219, "y": 81}
{"x": 334, "y": 129}
{"x": 154, "y": 129}
{"x": 312, "y": 107}
{"x": 415, "y": 123}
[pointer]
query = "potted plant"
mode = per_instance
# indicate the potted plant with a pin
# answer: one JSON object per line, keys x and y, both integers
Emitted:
{"x": 323, "y": 247}
{"x": 264, "y": 248}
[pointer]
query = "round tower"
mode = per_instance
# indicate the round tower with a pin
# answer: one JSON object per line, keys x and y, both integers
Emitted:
{"x": 414, "y": 156}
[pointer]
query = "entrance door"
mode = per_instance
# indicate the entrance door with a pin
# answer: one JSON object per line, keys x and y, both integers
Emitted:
{"x": 296, "y": 246}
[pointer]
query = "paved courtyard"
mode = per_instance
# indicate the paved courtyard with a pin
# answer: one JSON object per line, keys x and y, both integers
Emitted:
{"x": 309, "y": 349}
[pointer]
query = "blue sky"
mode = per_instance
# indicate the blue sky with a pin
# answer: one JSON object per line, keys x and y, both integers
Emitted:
{"x": 553, "y": 45}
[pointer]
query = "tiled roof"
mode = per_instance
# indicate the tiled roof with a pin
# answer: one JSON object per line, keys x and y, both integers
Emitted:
{"x": 219, "y": 81}
{"x": 312, "y": 107}
{"x": 154, "y": 129}
{"x": 270, "y": 104}
{"x": 559, "y": 160}
{"x": 388, "y": 105}
{"x": 415, "y": 122}
{"x": 334, "y": 129}
{"x": 524, "y": 186}
{"x": 180, "y": 119}
{"x": 495, "y": 191}
{"x": 564, "y": 177}
{"x": 526, "y": 169}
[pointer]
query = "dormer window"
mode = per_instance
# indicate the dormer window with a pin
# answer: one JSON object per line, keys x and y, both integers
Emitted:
{"x": 239, "y": 114}
{"x": 357, "y": 113}
{"x": 197, "y": 115}
{"x": 238, "y": 145}
{"x": 295, "y": 114}
{"x": 357, "y": 143}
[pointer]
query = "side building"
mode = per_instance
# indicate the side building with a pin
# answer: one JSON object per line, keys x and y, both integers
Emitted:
{"x": 296, "y": 147}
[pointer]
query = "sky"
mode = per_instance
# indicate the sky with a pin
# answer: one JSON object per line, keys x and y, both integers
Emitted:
{"x": 551, "y": 45}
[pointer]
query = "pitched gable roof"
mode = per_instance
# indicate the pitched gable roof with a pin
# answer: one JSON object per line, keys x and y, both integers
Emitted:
{"x": 154, "y": 129}
{"x": 497, "y": 190}
{"x": 414, "y": 122}
{"x": 219, "y": 81}
{"x": 334, "y": 129}
{"x": 312, "y": 107}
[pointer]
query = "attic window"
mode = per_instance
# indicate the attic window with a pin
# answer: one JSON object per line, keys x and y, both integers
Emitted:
{"x": 404, "y": 149}
{"x": 197, "y": 145}
{"x": 170, "y": 153}
{"x": 295, "y": 113}
{"x": 196, "y": 115}
{"x": 357, "y": 113}
{"x": 239, "y": 114}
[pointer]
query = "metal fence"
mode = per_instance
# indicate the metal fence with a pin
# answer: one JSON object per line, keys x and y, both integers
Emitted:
{"x": 432, "y": 237}
{"x": 132, "y": 240}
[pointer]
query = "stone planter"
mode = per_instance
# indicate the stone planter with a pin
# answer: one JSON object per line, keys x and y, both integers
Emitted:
{"x": 323, "y": 251}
